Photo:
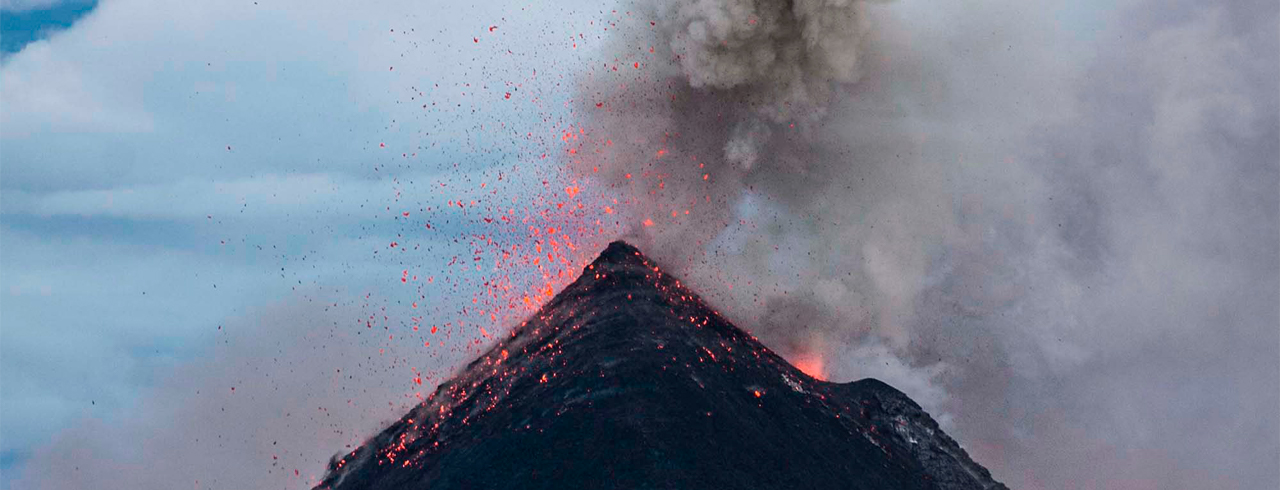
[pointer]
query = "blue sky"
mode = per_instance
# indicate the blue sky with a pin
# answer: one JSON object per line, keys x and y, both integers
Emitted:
{"x": 20, "y": 27}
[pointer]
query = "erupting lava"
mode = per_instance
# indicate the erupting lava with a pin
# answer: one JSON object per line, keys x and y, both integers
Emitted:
{"x": 811, "y": 364}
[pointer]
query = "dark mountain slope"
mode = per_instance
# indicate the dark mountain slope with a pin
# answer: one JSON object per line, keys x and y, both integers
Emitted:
{"x": 628, "y": 380}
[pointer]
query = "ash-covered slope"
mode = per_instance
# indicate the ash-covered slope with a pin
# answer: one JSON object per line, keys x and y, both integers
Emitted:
{"x": 628, "y": 380}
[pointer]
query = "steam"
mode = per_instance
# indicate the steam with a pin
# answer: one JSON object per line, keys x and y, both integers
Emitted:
{"x": 1057, "y": 247}
{"x": 267, "y": 410}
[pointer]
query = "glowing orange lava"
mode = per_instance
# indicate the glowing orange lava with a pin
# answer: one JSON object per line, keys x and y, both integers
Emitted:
{"x": 812, "y": 365}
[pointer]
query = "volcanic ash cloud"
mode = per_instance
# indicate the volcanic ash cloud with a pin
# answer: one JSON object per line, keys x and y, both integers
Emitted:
{"x": 703, "y": 99}
{"x": 766, "y": 62}
{"x": 784, "y": 56}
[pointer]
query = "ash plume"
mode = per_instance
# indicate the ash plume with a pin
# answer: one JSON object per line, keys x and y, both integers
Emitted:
{"x": 783, "y": 57}
{"x": 727, "y": 116}
{"x": 707, "y": 113}
{"x": 1063, "y": 245}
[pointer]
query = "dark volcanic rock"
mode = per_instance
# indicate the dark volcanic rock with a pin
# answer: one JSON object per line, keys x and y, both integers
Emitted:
{"x": 628, "y": 380}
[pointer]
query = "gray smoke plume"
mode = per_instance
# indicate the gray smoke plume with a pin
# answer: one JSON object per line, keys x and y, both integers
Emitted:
{"x": 712, "y": 89}
{"x": 1054, "y": 226}
{"x": 782, "y": 58}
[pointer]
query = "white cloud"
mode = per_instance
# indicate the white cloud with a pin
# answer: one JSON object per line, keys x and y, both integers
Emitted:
{"x": 238, "y": 89}
{"x": 266, "y": 197}
{"x": 48, "y": 93}
{"x": 300, "y": 128}
{"x": 191, "y": 199}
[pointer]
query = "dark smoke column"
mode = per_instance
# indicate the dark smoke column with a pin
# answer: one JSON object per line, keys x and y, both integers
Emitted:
{"x": 628, "y": 380}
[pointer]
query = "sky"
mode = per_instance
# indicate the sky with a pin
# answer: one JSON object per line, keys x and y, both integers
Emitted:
{"x": 175, "y": 178}
{"x": 230, "y": 230}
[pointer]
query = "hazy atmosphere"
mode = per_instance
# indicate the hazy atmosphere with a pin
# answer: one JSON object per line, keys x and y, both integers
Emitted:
{"x": 237, "y": 238}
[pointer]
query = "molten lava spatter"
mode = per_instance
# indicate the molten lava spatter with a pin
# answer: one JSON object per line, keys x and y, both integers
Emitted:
{"x": 626, "y": 379}
{"x": 812, "y": 365}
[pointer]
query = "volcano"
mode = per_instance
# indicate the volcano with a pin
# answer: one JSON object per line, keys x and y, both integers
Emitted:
{"x": 627, "y": 379}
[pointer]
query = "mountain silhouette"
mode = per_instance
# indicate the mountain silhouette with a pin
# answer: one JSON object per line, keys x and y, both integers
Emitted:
{"x": 627, "y": 379}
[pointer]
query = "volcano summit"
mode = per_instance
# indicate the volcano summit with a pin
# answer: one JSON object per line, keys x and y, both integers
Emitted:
{"x": 626, "y": 379}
